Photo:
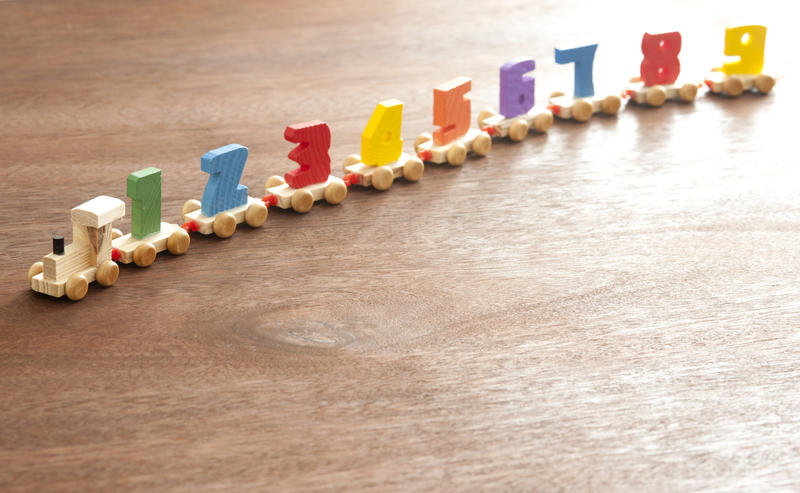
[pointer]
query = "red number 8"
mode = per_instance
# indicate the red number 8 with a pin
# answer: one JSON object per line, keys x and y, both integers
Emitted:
{"x": 660, "y": 64}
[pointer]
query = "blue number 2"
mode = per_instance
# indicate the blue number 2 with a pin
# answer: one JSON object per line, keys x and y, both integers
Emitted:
{"x": 225, "y": 166}
{"x": 584, "y": 58}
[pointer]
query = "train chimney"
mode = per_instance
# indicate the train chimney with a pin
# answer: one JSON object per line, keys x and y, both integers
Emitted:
{"x": 58, "y": 245}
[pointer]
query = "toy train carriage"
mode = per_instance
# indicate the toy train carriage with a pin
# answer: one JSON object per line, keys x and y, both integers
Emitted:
{"x": 583, "y": 103}
{"x": 454, "y": 139}
{"x": 225, "y": 202}
{"x": 311, "y": 181}
{"x": 659, "y": 71}
{"x": 88, "y": 258}
{"x": 149, "y": 235}
{"x": 746, "y": 73}
{"x": 518, "y": 111}
{"x": 382, "y": 159}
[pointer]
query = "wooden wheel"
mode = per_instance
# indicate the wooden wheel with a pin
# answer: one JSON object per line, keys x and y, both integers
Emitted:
{"x": 107, "y": 273}
{"x": 543, "y": 121}
{"x": 581, "y": 110}
{"x": 421, "y": 139}
{"x": 224, "y": 225}
{"x": 302, "y": 200}
{"x": 115, "y": 233}
{"x": 687, "y": 92}
{"x": 413, "y": 169}
{"x": 764, "y": 83}
{"x": 483, "y": 115}
{"x": 273, "y": 181}
{"x": 482, "y": 144}
{"x": 656, "y": 95}
{"x": 457, "y": 154}
{"x": 35, "y": 270}
{"x": 611, "y": 104}
{"x": 733, "y": 86}
{"x": 335, "y": 192}
{"x": 190, "y": 205}
{"x": 556, "y": 94}
{"x": 382, "y": 178}
{"x": 256, "y": 214}
{"x": 178, "y": 242}
{"x": 144, "y": 254}
{"x": 518, "y": 130}
{"x": 77, "y": 286}
{"x": 350, "y": 160}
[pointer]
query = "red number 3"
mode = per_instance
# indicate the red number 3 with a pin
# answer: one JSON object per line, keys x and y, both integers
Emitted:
{"x": 451, "y": 110}
{"x": 661, "y": 64}
{"x": 314, "y": 140}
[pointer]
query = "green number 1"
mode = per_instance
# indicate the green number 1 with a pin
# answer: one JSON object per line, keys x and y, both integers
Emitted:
{"x": 144, "y": 189}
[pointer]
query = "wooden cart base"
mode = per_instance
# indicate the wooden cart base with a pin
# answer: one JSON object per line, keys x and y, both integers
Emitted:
{"x": 206, "y": 224}
{"x": 381, "y": 177}
{"x": 125, "y": 246}
{"x": 581, "y": 109}
{"x": 735, "y": 85}
{"x": 658, "y": 94}
{"x": 516, "y": 128}
{"x": 454, "y": 152}
{"x": 280, "y": 194}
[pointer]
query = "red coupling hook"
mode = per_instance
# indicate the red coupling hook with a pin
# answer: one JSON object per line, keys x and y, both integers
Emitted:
{"x": 190, "y": 226}
{"x": 350, "y": 179}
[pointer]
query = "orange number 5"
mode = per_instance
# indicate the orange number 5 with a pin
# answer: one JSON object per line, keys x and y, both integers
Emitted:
{"x": 451, "y": 110}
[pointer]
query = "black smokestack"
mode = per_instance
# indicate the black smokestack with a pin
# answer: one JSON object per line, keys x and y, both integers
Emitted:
{"x": 58, "y": 245}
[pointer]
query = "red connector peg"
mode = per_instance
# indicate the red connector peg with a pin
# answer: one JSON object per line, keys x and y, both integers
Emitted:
{"x": 115, "y": 255}
{"x": 425, "y": 155}
{"x": 556, "y": 109}
{"x": 270, "y": 200}
{"x": 489, "y": 130}
{"x": 190, "y": 226}
{"x": 350, "y": 179}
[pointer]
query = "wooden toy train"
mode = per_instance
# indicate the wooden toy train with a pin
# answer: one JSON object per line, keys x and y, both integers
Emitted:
{"x": 97, "y": 247}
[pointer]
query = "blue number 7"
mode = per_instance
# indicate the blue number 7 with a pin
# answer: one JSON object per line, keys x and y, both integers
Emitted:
{"x": 583, "y": 57}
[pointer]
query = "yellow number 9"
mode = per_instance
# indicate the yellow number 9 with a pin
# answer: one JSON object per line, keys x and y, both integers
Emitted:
{"x": 748, "y": 43}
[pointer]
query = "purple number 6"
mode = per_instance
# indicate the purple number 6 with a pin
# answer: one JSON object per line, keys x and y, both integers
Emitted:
{"x": 516, "y": 88}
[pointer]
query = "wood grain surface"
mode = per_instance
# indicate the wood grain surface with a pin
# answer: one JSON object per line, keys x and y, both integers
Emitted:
{"x": 613, "y": 306}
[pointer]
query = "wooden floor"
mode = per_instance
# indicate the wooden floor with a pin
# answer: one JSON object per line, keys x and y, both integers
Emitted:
{"x": 614, "y": 306}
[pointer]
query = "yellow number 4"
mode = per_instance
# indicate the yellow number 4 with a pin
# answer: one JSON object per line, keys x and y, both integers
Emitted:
{"x": 381, "y": 142}
{"x": 748, "y": 43}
